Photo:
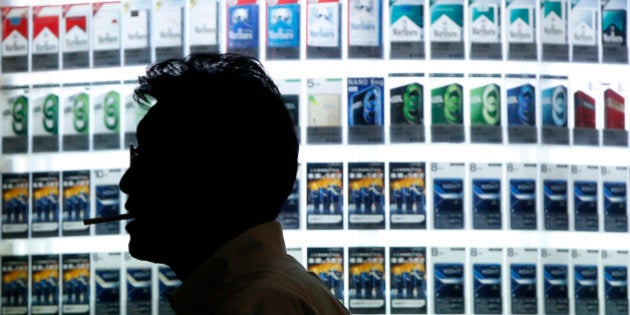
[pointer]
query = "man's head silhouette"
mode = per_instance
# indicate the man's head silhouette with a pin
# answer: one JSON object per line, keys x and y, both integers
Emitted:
{"x": 216, "y": 155}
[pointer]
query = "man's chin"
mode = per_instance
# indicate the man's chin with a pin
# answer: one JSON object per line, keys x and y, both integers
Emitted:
{"x": 146, "y": 252}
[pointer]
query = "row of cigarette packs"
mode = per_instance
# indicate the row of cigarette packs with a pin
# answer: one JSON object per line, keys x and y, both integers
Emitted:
{"x": 81, "y": 35}
{"x": 84, "y": 283}
{"x": 473, "y": 196}
{"x": 105, "y": 33}
{"x": 358, "y": 195}
{"x": 525, "y": 109}
{"x": 369, "y": 280}
{"x": 479, "y": 108}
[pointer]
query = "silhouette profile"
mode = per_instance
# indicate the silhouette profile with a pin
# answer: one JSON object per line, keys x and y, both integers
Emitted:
{"x": 216, "y": 158}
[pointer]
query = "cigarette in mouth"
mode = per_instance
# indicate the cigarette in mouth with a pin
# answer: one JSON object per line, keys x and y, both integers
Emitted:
{"x": 119, "y": 217}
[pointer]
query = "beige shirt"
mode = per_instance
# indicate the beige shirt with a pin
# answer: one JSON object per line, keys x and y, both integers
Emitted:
{"x": 254, "y": 275}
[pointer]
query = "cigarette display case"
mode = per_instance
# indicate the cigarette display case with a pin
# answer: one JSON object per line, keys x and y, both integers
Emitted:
{"x": 456, "y": 157}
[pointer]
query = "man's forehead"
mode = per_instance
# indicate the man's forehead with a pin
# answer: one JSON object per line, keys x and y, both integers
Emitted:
{"x": 144, "y": 126}
{"x": 152, "y": 126}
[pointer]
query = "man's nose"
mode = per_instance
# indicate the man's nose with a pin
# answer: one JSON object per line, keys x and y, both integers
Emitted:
{"x": 125, "y": 182}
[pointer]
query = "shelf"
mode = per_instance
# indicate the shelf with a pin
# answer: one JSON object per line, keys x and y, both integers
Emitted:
{"x": 353, "y": 238}
{"x": 421, "y": 152}
{"x": 595, "y": 73}
{"x": 466, "y": 152}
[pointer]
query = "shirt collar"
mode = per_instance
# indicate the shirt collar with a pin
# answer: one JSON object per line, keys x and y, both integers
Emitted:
{"x": 236, "y": 256}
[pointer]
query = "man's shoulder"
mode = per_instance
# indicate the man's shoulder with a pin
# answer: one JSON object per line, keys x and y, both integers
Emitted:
{"x": 275, "y": 299}
{"x": 290, "y": 295}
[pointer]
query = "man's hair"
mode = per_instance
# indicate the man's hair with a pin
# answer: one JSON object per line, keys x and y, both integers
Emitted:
{"x": 197, "y": 70}
{"x": 228, "y": 124}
